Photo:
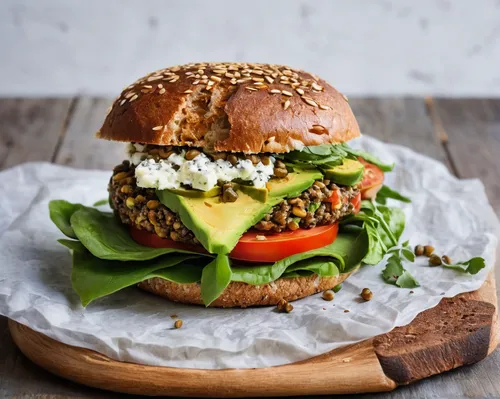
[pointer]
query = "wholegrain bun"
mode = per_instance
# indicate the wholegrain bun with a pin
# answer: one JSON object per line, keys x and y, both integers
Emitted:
{"x": 243, "y": 295}
{"x": 235, "y": 107}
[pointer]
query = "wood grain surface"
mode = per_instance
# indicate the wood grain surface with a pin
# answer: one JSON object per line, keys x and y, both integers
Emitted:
{"x": 465, "y": 134}
{"x": 431, "y": 344}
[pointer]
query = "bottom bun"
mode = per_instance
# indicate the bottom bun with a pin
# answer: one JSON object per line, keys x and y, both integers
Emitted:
{"x": 243, "y": 295}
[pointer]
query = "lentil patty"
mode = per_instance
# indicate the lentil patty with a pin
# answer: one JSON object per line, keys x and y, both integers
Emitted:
{"x": 140, "y": 207}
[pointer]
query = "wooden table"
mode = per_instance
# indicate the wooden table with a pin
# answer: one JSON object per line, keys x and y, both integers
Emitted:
{"x": 464, "y": 134}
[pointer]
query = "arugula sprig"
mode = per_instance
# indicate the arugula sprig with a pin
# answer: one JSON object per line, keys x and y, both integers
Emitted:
{"x": 394, "y": 272}
{"x": 471, "y": 266}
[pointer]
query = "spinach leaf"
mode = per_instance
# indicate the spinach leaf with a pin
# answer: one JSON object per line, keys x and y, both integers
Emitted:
{"x": 215, "y": 277}
{"x": 471, "y": 266}
{"x": 101, "y": 202}
{"x": 386, "y": 192}
{"x": 94, "y": 278}
{"x": 376, "y": 248}
{"x": 346, "y": 253}
{"x": 60, "y": 212}
{"x": 107, "y": 238}
{"x": 367, "y": 157}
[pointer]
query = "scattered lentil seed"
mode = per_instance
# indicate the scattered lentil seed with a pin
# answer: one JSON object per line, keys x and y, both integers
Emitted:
{"x": 419, "y": 250}
{"x": 174, "y": 316}
{"x": 435, "y": 260}
{"x": 328, "y": 295}
{"x": 446, "y": 259}
{"x": 366, "y": 294}
{"x": 288, "y": 307}
{"x": 428, "y": 250}
{"x": 178, "y": 323}
{"x": 412, "y": 292}
{"x": 346, "y": 310}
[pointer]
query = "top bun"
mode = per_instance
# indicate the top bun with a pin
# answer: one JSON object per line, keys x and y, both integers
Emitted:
{"x": 236, "y": 107}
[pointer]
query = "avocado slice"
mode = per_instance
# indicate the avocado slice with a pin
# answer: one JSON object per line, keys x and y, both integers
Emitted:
{"x": 193, "y": 193}
{"x": 259, "y": 194}
{"x": 294, "y": 183}
{"x": 347, "y": 174}
{"x": 218, "y": 225}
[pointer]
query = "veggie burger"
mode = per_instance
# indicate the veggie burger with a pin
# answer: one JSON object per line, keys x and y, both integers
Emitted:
{"x": 238, "y": 189}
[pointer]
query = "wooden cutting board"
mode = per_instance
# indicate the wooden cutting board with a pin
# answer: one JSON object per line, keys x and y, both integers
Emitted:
{"x": 459, "y": 331}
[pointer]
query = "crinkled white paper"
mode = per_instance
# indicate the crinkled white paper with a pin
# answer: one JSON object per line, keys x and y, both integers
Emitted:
{"x": 35, "y": 290}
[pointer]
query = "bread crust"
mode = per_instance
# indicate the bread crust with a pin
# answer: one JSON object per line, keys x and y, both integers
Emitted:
{"x": 243, "y": 295}
{"x": 250, "y": 108}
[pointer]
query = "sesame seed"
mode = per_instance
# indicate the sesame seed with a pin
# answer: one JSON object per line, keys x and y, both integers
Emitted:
{"x": 275, "y": 91}
{"x": 144, "y": 91}
{"x": 324, "y": 107}
{"x": 269, "y": 79}
{"x": 201, "y": 71}
{"x": 160, "y": 86}
{"x": 196, "y": 82}
{"x": 251, "y": 88}
{"x": 258, "y": 84}
{"x": 188, "y": 91}
{"x": 158, "y": 127}
{"x": 286, "y": 93}
{"x": 204, "y": 76}
{"x": 133, "y": 98}
{"x": 286, "y": 104}
{"x": 162, "y": 91}
{"x": 310, "y": 102}
{"x": 122, "y": 102}
{"x": 110, "y": 108}
{"x": 153, "y": 78}
{"x": 215, "y": 78}
{"x": 345, "y": 97}
{"x": 219, "y": 71}
{"x": 147, "y": 86}
{"x": 129, "y": 94}
{"x": 258, "y": 79}
{"x": 233, "y": 81}
{"x": 287, "y": 72}
{"x": 229, "y": 75}
{"x": 210, "y": 83}
{"x": 257, "y": 72}
{"x": 300, "y": 91}
{"x": 316, "y": 86}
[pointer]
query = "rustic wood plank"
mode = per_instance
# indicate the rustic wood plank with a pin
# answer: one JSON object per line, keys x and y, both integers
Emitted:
{"x": 31, "y": 129}
{"x": 471, "y": 135}
{"x": 403, "y": 121}
{"x": 80, "y": 148}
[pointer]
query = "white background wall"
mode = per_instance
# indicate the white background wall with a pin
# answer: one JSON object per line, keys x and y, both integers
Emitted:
{"x": 364, "y": 47}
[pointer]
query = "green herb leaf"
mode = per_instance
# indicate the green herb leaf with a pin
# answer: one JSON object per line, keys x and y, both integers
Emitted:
{"x": 104, "y": 201}
{"x": 409, "y": 255}
{"x": 367, "y": 157}
{"x": 215, "y": 277}
{"x": 472, "y": 266}
{"x": 60, "y": 212}
{"x": 107, "y": 238}
{"x": 313, "y": 206}
{"x": 94, "y": 278}
{"x": 386, "y": 192}
{"x": 406, "y": 280}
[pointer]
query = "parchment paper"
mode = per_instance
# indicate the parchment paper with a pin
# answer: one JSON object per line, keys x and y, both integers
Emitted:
{"x": 35, "y": 290}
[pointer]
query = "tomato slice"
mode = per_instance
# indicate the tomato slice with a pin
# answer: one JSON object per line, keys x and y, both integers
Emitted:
{"x": 252, "y": 247}
{"x": 356, "y": 201}
{"x": 373, "y": 179}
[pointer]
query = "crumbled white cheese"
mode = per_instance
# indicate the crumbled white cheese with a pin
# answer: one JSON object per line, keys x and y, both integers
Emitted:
{"x": 200, "y": 173}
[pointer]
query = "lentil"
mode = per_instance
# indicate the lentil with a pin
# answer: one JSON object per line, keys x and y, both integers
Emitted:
{"x": 366, "y": 294}
{"x": 419, "y": 250}
{"x": 428, "y": 250}
{"x": 328, "y": 295}
{"x": 446, "y": 259}
{"x": 435, "y": 260}
{"x": 178, "y": 323}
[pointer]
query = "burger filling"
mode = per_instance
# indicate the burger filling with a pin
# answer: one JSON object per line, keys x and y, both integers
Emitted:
{"x": 140, "y": 207}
